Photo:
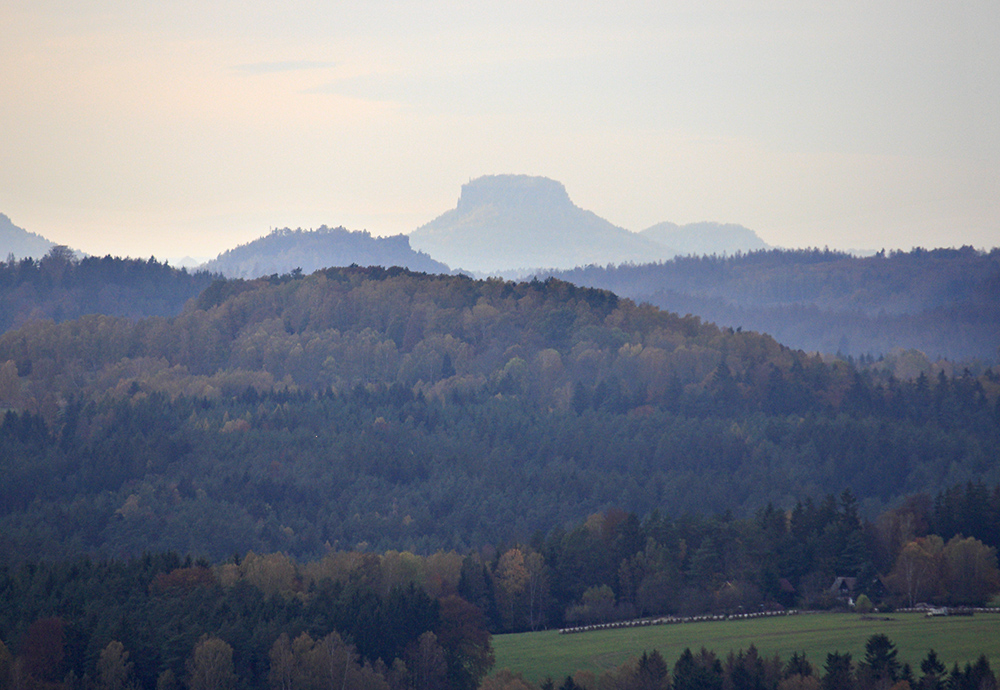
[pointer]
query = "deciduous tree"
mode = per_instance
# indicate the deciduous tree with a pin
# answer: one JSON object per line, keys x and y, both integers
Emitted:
{"x": 916, "y": 575}
{"x": 210, "y": 666}
{"x": 970, "y": 570}
{"x": 114, "y": 670}
{"x": 511, "y": 577}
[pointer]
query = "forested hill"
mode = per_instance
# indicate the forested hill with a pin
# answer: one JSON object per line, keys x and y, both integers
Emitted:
{"x": 61, "y": 287}
{"x": 404, "y": 410}
{"x": 438, "y": 335}
{"x": 283, "y": 251}
{"x": 943, "y": 302}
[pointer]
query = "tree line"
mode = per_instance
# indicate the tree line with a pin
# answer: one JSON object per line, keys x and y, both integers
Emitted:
{"x": 391, "y": 621}
{"x": 60, "y": 287}
{"x": 160, "y": 621}
{"x": 880, "y": 669}
{"x": 611, "y": 566}
{"x": 615, "y": 566}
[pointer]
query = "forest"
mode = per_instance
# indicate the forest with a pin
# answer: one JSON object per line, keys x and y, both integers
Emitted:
{"x": 185, "y": 622}
{"x": 943, "y": 302}
{"x": 290, "y": 459}
{"x": 424, "y": 412}
{"x": 61, "y": 287}
{"x": 398, "y": 620}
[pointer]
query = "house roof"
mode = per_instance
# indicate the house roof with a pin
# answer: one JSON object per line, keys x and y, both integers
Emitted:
{"x": 843, "y": 584}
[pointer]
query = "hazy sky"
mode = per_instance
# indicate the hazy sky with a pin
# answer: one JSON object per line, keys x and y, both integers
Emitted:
{"x": 186, "y": 127}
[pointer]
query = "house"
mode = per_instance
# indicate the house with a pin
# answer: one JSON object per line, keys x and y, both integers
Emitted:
{"x": 877, "y": 589}
{"x": 843, "y": 588}
{"x": 786, "y": 593}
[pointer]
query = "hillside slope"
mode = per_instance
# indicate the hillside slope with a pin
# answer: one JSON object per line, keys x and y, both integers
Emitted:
{"x": 20, "y": 243}
{"x": 400, "y": 410}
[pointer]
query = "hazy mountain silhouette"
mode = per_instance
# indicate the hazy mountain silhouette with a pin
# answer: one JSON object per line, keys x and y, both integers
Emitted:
{"x": 20, "y": 242}
{"x": 705, "y": 238}
{"x": 505, "y": 222}
{"x": 285, "y": 250}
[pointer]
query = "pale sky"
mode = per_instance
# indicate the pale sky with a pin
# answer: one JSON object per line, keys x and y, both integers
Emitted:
{"x": 186, "y": 127}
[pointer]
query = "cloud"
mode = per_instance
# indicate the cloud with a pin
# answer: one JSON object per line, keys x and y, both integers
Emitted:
{"x": 284, "y": 66}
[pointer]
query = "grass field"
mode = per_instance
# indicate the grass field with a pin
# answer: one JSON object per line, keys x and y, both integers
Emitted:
{"x": 956, "y": 639}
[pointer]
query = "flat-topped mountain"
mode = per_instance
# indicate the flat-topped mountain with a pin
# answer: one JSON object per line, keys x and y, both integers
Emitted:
{"x": 20, "y": 243}
{"x": 696, "y": 239}
{"x": 283, "y": 251}
{"x": 504, "y": 222}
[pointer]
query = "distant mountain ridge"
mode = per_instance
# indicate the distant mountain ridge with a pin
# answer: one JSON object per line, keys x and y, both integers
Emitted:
{"x": 942, "y": 302}
{"x": 505, "y": 222}
{"x": 285, "y": 250}
{"x": 705, "y": 239}
{"x": 20, "y": 243}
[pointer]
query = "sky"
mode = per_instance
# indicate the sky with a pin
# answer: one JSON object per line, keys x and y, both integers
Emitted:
{"x": 183, "y": 127}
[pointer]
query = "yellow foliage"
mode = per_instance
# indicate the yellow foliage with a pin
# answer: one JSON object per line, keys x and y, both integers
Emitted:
{"x": 10, "y": 385}
{"x": 228, "y": 574}
{"x": 443, "y": 571}
{"x": 505, "y": 679}
{"x": 798, "y": 682}
{"x": 401, "y": 569}
{"x": 273, "y": 573}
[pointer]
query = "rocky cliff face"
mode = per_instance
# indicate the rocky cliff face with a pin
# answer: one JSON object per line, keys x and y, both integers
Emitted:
{"x": 515, "y": 192}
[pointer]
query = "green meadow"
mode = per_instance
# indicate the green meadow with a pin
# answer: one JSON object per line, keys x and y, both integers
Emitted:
{"x": 958, "y": 639}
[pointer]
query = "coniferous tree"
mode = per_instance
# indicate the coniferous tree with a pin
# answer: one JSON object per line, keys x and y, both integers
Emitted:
{"x": 934, "y": 673}
{"x": 880, "y": 667}
{"x": 651, "y": 672}
{"x": 839, "y": 673}
{"x": 798, "y": 665}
